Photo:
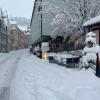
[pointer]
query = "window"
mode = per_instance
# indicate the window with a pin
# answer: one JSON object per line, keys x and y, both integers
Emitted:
{"x": 40, "y": 8}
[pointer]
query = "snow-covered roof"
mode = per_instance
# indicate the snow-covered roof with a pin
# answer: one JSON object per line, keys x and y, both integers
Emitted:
{"x": 6, "y": 21}
{"x": 92, "y": 21}
{"x": 23, "y": 28}
{"x": 27, "y": 33}
{"x": 12, "y": 22}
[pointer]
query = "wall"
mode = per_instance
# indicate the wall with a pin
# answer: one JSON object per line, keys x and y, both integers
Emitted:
{"x": 36, "y": 22}
{"x": 14, "y": 39}
{"x": 3, "y": 37}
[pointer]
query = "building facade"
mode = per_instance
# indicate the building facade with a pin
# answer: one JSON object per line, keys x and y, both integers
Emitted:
{"x": 3, "y": 36}
{"x": 94, "y": 26}
{"x": 11, "y": 36}
{"x": 17, "y": 36}
{"x": 41, "y": 31}
{"x": 14, "y": 35}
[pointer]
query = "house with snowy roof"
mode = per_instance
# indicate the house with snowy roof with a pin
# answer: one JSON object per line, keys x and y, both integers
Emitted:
{"x": 94, "y": 26}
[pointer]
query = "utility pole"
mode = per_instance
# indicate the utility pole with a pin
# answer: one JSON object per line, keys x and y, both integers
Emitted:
{"x": 41, "y": 18}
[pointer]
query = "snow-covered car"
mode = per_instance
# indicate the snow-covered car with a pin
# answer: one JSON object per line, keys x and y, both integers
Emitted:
{"x": 38, "y": 53}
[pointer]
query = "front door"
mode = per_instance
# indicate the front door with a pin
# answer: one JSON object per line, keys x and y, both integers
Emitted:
{"x": 97, "y": 36}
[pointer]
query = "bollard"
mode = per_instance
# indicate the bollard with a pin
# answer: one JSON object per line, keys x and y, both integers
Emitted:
{"x": 97, "y": 66}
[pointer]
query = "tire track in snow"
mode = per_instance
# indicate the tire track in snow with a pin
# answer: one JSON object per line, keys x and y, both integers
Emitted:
{"x": 6, "y": 57}
{"x": 7, "y": 75}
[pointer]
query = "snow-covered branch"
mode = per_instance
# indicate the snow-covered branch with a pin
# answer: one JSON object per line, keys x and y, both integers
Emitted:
{"x": 69, "y": 15}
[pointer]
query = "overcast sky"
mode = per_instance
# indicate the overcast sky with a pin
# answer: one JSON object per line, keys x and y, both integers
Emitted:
{"x": 20, "y": 8}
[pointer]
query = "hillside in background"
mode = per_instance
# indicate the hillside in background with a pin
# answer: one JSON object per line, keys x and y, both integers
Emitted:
{"x": 21, "y": 20}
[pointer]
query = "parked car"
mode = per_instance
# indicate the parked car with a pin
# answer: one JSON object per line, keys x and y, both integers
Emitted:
{"x": 38, "y": 53}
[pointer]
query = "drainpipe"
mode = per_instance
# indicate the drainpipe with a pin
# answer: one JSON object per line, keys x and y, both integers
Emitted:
{"x": 41, "y": 17}
{"x": 41, "y": 23}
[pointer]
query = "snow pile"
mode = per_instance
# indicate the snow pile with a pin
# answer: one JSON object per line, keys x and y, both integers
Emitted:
{"x": 92, "y": 21}
{"x": 12, "y": 22}
{"x": 62, "y": 57}
{"x": 92, "y": 49}
{"x": 90, "y": 37}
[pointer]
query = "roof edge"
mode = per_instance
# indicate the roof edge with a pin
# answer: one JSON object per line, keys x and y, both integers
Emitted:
{"x": 92, "y": 21}
{"x": 33, "y": 12}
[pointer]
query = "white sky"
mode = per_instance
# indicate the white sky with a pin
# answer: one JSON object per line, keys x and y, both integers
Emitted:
{"x": 20, "y": 8}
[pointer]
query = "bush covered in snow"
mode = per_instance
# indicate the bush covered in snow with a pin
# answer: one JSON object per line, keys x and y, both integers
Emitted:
{"x": 90, "y": 50}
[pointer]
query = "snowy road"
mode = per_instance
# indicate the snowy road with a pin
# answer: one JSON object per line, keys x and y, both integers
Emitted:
{"x": 8, "y": 66}
{"x": 25, "y": 77}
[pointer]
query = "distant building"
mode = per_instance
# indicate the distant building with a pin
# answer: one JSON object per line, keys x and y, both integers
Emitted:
{"x": 21, "y": 39}
{"x": 12, "y": 35}
{"x": 27, "y": 39}
{"x": 94, "y": 26}
{"x": 17, "y": 36}
{"x": 7, "y": 24}
{"x": 24, "y": 36}
{"x": 3, "y": 33}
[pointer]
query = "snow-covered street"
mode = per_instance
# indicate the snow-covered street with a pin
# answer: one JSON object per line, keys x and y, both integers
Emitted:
{"x": 26, "y": 77}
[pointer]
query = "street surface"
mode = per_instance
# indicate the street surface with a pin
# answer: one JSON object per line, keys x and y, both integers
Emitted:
{"x": 26, "y": 77}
